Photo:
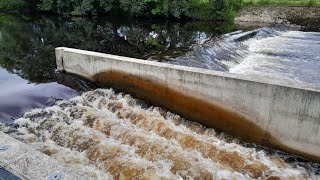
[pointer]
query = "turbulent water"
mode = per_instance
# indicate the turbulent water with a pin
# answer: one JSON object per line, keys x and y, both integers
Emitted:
{"x": 109, "y": 135}
{"x": 269, "y": 52}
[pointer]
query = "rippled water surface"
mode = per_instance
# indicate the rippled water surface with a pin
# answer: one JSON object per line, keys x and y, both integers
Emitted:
{"x": 276, "y": 53}
{"x": 111, "y": 135}
{"x": 27, "y": 60}
{"x": 292, "y": 55}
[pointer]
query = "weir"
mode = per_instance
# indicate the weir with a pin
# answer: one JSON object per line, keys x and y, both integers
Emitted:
{"x": 274, "y": 113}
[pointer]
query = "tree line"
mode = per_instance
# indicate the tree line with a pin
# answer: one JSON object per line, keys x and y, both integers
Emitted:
{"x": 194, "y": 9}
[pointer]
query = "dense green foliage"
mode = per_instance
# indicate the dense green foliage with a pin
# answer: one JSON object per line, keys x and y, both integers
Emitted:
{"x": 9, "y": 6}
{"x": 195, "y": 9}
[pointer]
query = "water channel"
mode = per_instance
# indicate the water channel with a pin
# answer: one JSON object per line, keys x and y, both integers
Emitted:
{"x": 102, "y": 126}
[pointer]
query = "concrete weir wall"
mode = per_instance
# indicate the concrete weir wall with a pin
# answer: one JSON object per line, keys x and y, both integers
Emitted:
{"x": 274, "y": 113}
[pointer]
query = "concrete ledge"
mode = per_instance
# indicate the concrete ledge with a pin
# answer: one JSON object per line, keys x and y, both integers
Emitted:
{"x": 276, "y": 113}
{"x": 27, "y": 163}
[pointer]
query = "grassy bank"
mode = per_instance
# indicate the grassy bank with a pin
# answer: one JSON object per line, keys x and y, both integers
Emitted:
{"x": 315, "y": 3}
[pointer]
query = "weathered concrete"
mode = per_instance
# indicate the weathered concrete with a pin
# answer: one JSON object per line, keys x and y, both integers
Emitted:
{"x": 304, "y": 18}
{"x": 27, "y": 163}
{"x": 277, "y": 113}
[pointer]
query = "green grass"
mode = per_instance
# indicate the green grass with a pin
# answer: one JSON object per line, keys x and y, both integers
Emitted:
{"x": 283, "y": 2}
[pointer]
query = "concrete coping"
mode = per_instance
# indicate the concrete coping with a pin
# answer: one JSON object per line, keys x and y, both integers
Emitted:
{"x": 258, "y": 79}
{"x": 27, "y": 163}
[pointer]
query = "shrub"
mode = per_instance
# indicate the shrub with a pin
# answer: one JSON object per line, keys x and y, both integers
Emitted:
{"x": 7, "y": 6}
{"x": 196, "y": 9}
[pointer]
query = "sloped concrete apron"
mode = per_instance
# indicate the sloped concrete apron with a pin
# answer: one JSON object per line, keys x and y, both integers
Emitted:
{"x": 27, "y": 163}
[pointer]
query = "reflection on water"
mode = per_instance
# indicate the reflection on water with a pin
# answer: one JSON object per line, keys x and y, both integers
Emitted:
{"x": 29, "y": 42}
{"x": 111, "y": 135}
{"x": 18, "y": 96}
{"x": 27, "y": 50}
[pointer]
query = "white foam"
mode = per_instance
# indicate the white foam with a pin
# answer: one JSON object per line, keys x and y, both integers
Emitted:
{"x": 108, "y": 135}
{"x": 291, "y": 55}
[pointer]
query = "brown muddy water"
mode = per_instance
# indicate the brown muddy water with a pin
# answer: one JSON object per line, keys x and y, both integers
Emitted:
{"x": 112, "y": 135}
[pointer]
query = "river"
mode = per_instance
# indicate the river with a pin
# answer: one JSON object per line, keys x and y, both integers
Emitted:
{"x": 27, "y": 60}
{"x": 88, "y": 131}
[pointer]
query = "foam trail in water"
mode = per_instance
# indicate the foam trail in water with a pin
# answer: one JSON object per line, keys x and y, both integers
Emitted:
{"x": 292, "y": 55}
{"x": 268, "y": 52}
{"x": 110, "y": 135}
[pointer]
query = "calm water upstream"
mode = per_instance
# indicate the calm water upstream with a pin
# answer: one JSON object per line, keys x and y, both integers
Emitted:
{"x": 27, "y": 61}
{"x": 108, "y": 134}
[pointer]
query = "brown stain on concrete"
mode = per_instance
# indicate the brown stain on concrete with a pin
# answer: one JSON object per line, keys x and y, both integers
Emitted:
{"x": 207, "y": 113}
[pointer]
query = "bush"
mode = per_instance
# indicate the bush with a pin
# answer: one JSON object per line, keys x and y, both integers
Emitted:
{"x": 195, "y": 9}
{"x": 7, "y": 6}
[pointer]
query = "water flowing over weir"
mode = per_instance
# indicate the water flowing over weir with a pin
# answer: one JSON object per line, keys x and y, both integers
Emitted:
{"x": 276, "y": 113}
{"x": 269, "y": 52}
{"x": 108, "y": 134}
{"x": 112, "y": 135}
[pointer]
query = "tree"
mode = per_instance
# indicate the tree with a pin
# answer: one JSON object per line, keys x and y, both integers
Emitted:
{"x": 195, "y": 9}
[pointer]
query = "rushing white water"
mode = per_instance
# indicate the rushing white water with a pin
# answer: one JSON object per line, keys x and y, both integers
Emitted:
{"x": 292, "y": 55}
{"x": 267, "y": 52}
{"x": 109, "y": 135}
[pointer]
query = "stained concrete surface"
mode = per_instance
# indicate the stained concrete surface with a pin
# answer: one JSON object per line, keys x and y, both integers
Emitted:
{"x": 277, "y": 113}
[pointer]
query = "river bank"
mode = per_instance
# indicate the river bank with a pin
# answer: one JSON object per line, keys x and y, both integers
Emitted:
{"x": 299, "y": 18}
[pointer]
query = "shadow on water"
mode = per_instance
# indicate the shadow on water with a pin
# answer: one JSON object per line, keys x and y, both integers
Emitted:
{"x": 27, "y": 52}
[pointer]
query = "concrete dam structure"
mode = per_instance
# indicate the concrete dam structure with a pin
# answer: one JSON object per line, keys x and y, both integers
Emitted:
{"x": 274, "y": 113}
